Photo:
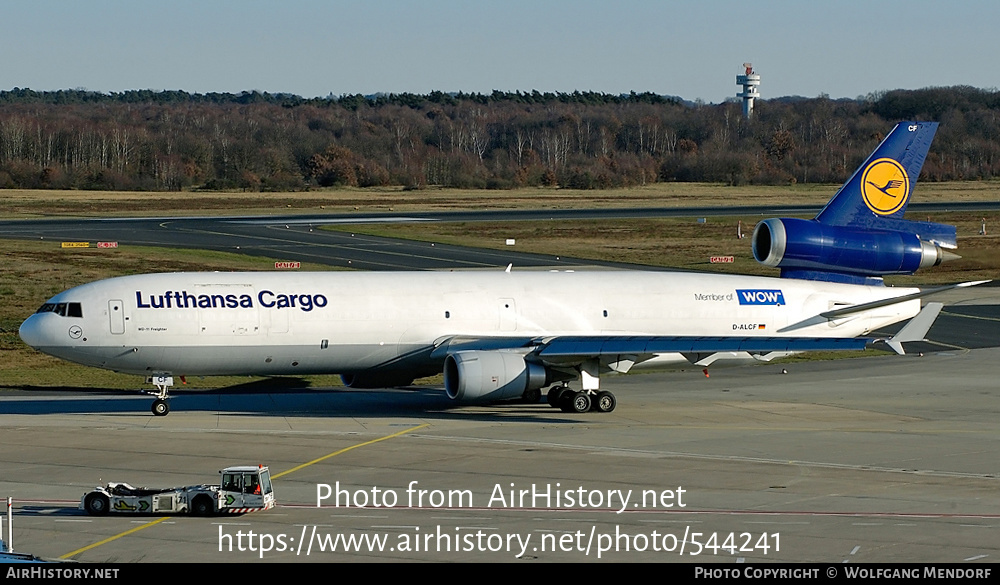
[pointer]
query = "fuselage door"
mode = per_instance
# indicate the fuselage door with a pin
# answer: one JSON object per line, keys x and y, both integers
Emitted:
{"x": 116, "y": 312}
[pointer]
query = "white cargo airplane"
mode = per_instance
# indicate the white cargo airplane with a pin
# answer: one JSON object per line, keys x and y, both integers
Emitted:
{"x": 508, "y": 334}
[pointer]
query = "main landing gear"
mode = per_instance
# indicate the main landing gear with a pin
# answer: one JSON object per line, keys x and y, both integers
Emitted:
{"x": 591, "y": 397}
{"x": 566, "y": 399}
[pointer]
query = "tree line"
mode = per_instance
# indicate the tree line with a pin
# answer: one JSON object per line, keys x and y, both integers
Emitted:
{"x": 173, "y": 140}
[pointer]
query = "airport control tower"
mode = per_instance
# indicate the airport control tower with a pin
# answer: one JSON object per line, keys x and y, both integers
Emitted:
{"x": 750, "y": 81}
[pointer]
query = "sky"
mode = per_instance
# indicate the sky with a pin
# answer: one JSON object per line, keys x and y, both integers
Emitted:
{"x": 691, "y": 49}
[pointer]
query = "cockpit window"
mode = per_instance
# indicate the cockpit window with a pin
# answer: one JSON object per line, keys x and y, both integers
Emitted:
{"x": 62, "y": 309}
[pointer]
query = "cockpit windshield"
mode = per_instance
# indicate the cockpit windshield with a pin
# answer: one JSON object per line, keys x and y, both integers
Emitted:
{"x": 62, "y": 309}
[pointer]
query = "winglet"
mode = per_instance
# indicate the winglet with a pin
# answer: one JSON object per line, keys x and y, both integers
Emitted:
{"x": 916, "y": 329}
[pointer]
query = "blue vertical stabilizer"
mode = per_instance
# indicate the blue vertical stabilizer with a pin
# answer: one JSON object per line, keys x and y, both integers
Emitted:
{"x": 881, "y": 187}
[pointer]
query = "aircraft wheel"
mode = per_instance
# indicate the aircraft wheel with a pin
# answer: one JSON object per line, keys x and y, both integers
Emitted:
{"x": 96, "y": 504}
{"x": 554, "y": 397}
{"x": 565, "y": 400}
{"x": 605, "y": 401}
{"x": 578, "y": 402}
{"x": 160, "y": 407}
{"x": 532, "y": 396}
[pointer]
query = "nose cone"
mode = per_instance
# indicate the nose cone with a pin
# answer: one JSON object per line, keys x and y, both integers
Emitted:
{"x": 31, "y": 332}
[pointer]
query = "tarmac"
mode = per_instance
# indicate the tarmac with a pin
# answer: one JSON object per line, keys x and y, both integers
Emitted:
{"x": 870, "y": 459}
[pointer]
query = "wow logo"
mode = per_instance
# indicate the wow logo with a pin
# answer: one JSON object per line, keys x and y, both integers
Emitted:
{"x": 885, "y": 186}
{"x": 760, "y": 297}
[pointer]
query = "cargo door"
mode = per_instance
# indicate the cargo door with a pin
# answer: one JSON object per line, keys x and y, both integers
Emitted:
{"x": 227, "y": 310}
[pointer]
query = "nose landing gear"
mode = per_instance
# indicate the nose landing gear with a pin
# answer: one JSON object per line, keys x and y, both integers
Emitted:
{"x": 163, "y": 383}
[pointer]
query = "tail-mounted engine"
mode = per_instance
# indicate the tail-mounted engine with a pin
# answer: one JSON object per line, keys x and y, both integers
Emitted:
{"x": 808, "y": 249}
{"x": 861, "y": 234}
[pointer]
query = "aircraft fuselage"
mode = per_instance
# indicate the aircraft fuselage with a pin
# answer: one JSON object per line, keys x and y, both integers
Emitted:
{"x": 342, "y": 322}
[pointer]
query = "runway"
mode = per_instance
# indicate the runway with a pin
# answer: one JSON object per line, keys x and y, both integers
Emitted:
{"x": 872, "y": 459}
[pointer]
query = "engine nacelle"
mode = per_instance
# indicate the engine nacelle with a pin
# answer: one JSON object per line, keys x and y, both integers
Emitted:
{"x": 490, "y": 375}
{"x": 367, "y": 380}
{"x": 808, "y": 245}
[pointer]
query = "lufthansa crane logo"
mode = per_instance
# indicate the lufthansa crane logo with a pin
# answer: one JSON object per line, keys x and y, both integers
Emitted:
{"x": 885, "y": 186}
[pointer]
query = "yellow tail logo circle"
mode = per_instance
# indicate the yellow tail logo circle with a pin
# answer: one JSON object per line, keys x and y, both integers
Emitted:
{"x": 885, "y": 186}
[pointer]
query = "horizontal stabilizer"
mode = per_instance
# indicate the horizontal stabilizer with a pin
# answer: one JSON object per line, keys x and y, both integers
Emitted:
{"x": 944, "y": 235}
{"x": 916, "y": 329}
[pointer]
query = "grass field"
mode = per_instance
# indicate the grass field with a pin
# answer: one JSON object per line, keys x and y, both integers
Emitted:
{"x": 34, "y": 271}
{"x": 23, "y": 203}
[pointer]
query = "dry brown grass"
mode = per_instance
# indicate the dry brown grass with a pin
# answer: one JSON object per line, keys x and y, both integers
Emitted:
{"x": 36, "y": 203}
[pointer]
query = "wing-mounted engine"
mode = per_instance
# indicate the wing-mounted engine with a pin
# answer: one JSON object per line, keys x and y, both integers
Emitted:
{"x": 806, "y": 248}
{"x": 491, "y": 375}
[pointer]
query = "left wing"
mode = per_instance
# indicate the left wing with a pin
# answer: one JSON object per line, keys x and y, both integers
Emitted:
{"x": 499, "y": 368}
